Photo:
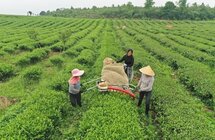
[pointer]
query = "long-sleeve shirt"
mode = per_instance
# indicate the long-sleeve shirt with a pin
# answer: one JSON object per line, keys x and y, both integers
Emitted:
{"x": 129, "y": 60}
{"x": 146, "y": 83}
{"x": 74, "y": 88}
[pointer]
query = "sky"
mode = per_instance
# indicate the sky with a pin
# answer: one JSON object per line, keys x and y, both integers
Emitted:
{"x": 20, "y": 7}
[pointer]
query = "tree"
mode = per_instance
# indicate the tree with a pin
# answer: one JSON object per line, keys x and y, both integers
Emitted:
{"x": 149, "y": 3}
{"x": 182, "y": 3}
{"x": 169, "y": 6}
{"x": 183, "y": 10}
{"x": 94, "y": 7}
{"x": 194, "y": 4}
{"x": 130, "y": 5}
{"x": 169, "y": 10}
{"x": 42, "y": 13}
{"x": 29, "y": 13}
{"x": 204, "y": 12}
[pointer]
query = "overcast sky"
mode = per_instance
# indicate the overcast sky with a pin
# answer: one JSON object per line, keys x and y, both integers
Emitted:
{"x": 20, "y": 7}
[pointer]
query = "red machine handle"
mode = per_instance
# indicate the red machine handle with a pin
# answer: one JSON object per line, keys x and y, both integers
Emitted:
{"x": 122, "y": 90}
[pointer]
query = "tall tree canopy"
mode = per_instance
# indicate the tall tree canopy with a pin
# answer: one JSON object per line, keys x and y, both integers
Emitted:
{"x": 149, "y": 3}
{"x": 178, "y": 11}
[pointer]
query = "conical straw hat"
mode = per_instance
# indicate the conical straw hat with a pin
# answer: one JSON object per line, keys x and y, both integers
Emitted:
{"x": 147, "y": 71}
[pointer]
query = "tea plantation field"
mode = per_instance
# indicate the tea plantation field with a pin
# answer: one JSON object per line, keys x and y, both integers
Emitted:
{"x": 38, "y": 53}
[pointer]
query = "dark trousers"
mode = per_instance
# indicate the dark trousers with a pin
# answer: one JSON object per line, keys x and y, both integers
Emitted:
{"x": 148, "y": 96}
{"x": 129, "y": 72}
{"x": 75, "y": 99}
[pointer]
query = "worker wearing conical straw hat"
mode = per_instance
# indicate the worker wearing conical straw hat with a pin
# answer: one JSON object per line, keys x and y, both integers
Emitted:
{"x": 145, "y": 86}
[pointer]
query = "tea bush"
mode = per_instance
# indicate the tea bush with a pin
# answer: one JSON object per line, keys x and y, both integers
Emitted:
{"x": 32, "y": 73}
{"x": 6, "y": 71}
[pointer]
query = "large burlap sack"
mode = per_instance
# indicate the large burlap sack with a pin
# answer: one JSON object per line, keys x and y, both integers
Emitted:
{"x": 113, "y": 73}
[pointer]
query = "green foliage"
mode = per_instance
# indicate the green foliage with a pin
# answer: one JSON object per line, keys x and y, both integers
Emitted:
{"x": 25, "y": 47}
{"x": 86, "y": 57}
{"x": 86, "y": 44}
{"x": 34, "y": 118}
{"x": 48, "y": 41}
{"x": 6, "y": 71}
{"x": 32, "y": 74}
{"x": 202, "y": 85}
{"x": 106, "y": 119}
{"x": 184, "y": 50}
{"x": 71, "y": 53}
{"x": 9, "y": 49}
{"x": 33, "y": 35}
{"x": 32, "y": 57}
{"x": 149, "y": 3}
{"x": 60, "y": 82}
{"x": 2, "y": 53}
{"x": 57, "y": 60}
{"x": 138, "y": 65}
{"x": 182, "y": 3}
{"x": 170, "y": 99}
{"x": 180, "y": 52}
{"x": 169, "y": 11}
{"x": 57, "y": 47}
{"x": 38, "y": 55}
{"x": 64, "y": 37}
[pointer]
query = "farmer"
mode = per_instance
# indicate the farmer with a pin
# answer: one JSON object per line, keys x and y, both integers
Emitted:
{"x": 145, "y": 86}
{"x": 128, "y": 63}
{"x": 75, "y": 86}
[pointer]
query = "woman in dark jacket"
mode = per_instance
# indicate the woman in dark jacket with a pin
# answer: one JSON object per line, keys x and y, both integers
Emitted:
{"x": 128, "y": 63}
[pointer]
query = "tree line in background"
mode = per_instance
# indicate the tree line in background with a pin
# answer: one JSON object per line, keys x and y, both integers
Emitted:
{"x": 171, "y": 11}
